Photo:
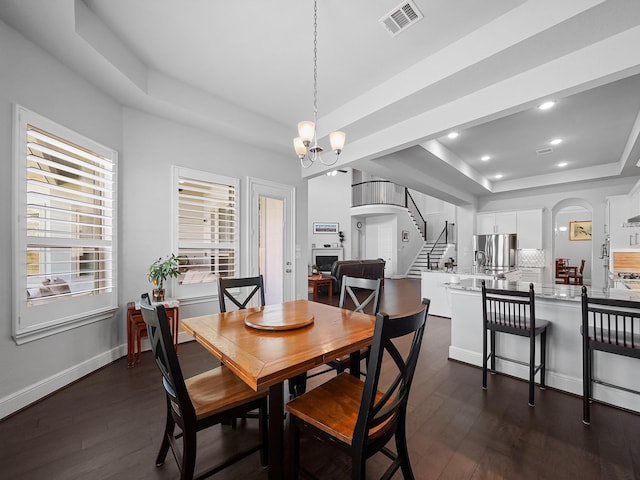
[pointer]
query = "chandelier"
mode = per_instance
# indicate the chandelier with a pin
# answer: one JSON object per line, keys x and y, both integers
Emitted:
{"x": 306, "y": 144}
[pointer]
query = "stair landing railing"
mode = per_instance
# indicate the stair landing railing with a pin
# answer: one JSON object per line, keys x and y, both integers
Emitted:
{"x": 444, "y": 233}
{"x": 384, "y": 192}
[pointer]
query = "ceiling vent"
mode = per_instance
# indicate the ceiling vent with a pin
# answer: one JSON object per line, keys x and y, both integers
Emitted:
{"x": 401, "y": 18}
{"x": 544, "y": 151}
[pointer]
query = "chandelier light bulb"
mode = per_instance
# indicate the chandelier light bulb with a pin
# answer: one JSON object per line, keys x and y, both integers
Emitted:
{"x": 337, "y": 141}
{"x": 299, "y": 147}
{"x": 306, "y": 130}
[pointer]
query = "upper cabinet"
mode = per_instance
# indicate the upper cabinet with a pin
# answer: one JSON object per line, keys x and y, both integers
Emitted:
{"x": 495, "y": 222}
{"x": 529, "y": 223}
{"x": 617, "y": 211}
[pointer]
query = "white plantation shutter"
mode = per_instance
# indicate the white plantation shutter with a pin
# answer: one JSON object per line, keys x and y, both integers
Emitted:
{"x": 207, "y": 230}
{"x": 64, "y": 254}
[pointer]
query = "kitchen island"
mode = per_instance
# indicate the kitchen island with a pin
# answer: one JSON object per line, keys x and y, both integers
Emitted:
{"x": 434, "y": 286}
{"x": 560, "y": 305}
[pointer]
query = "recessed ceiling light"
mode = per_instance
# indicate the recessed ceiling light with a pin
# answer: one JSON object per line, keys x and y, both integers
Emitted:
{"x": 555, "y": 141}
{"x": 453, "y": 135}
{"x": 546, "y": 105}
{"x": 563, "y": 164}
{"x": 498, "y": 176}
{"x": 485, "y": 158}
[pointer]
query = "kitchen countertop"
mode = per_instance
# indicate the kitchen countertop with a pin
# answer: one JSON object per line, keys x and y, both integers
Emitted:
{"x": 471, "y": 271}
{"x": 545, "y": 291}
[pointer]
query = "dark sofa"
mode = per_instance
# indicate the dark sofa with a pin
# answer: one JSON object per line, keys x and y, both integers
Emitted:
{"x": 355, "y": 268}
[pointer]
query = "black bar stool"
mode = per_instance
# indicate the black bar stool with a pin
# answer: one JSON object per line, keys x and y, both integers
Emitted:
{"x": 610, "y": 326}
{"x": 513, "y": 312}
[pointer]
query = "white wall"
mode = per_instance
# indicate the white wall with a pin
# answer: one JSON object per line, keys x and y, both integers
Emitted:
{"x": 33, "y": 79}
{"x": 148, "y": 147}
{"x": 330, "y": 202}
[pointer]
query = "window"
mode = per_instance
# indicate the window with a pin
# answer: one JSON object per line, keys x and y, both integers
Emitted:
{"x": 64, "y": 248}
{"x": 206, "y": 240}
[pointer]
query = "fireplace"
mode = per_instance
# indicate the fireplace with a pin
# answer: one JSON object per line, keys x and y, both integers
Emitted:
{"x": 324, "y": 257}
{"x": 324, "y": 262}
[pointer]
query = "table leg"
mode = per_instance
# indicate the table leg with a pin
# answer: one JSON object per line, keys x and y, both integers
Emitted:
{"x": 330, "y": 287}
{"x": 315, "y": 290}
{"x": 276, "y": 431}
{"x": 354, "y": 363}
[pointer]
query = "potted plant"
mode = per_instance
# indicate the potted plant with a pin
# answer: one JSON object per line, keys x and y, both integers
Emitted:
{"x": 314, "y": 269}
{"x": 159, "y": 271}
{"x": 341, "y": 236}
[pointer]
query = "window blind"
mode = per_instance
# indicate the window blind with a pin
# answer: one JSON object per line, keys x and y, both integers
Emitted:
{"x": 69, "y": 219}
{"x": 207, "y": 227}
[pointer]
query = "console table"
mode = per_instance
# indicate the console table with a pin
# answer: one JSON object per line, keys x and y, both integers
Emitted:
{"x": 316, "y": 280}
{"x": 136, "y": 328}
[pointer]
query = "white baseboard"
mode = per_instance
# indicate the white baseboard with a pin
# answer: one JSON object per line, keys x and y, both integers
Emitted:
{"x": 601, "y": 393}
{"x": 28, "y": 395}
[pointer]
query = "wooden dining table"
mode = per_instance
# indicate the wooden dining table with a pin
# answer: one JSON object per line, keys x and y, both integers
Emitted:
{"x": 267, "y": 345}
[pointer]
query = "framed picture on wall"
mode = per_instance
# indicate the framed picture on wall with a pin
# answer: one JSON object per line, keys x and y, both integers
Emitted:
{"x": 325, "y": 227}
{"x": 580, "y": 230}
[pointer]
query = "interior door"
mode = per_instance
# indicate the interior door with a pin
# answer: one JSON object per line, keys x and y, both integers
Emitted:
{"x": 385, "y": 248}
{"x": 271, "y": 237}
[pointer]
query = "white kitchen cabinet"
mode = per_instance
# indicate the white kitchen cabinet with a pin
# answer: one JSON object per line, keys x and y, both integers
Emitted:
{"x": 617, "y": 212}
{"x": 529, "y": 229}
{"x": 496, "y": 222}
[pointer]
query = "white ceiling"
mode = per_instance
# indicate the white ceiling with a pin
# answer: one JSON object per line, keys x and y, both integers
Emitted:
{"x": 244, "y": 69}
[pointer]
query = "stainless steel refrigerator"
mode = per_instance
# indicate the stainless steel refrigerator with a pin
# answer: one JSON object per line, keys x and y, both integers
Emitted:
{"x": 496, "y": 252}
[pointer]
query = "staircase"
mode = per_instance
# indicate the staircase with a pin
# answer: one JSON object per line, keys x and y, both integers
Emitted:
{"x": 420, "y": 262}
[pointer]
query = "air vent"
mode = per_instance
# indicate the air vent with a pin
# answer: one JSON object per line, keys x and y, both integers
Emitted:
{"x": 401, "y": 18}
{"x": 544, "y": 151}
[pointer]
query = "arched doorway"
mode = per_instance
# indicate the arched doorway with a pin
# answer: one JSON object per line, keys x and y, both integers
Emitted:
{"x": 575, "y": 248}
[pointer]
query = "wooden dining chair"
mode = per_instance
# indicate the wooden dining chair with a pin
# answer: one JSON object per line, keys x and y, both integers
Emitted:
{"x": 355, "y": 415}
{"x": 513, "y": 312}
{"x": 608, "y": 325}
{"x": 359, "y": 295}
{"x": 230, "y": 289}
{"x": 199, "y": 402}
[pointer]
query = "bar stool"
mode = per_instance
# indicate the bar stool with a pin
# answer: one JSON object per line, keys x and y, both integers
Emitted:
{"x": 611, "y": 326}
{"x": 513, "y": 312}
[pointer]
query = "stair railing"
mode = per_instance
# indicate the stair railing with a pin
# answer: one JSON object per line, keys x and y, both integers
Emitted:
{"x": 413, "y": 210}
{"x": 384, "y": 192}
{"x": 445, "y": 233}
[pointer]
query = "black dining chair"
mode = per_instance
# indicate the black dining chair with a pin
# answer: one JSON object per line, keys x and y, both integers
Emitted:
{"x": 608, "y": 325}
{"x": 231, "y": 289}
{"x": 354, "y": 415}
{"x": 513, "y": 312}
{"x": 199, "y": 402}
{"x": 360, "y": 295}
{"x": 240, "y": 291}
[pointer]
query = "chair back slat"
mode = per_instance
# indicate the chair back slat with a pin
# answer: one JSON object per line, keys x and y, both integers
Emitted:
{"x": 362, "y": 285}
{"x": 161, "y": 340}
{"x": 390, "y": 404}
{"x": 226, "y": 285}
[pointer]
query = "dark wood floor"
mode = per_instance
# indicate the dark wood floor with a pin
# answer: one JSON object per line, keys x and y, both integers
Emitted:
{"x": 108, "y": 425}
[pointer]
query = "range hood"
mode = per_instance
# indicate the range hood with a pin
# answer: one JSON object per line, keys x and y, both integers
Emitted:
{"x": 632, "y": 222}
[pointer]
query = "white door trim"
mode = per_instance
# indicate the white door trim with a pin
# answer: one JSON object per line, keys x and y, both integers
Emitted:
{"x": 255, "y": 188}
